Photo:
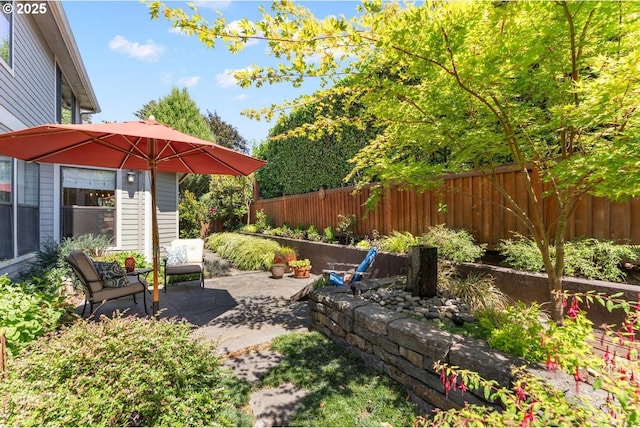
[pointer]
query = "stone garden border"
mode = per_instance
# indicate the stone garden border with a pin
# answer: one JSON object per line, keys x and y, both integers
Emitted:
{"x": 405, "y": 349}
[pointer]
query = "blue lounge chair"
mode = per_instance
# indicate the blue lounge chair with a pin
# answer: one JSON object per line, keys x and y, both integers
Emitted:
{"x": 350, "y": 277}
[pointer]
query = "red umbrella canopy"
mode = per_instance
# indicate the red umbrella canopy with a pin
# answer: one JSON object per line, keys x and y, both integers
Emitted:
{"x": 141, "y": 145}
{"x": 125, "y": 145}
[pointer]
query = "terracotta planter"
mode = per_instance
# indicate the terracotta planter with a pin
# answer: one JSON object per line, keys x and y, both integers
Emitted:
{"x": 289, "y": 258}
{"x": 302, "y": 272}
{"x": 277, "y": 270}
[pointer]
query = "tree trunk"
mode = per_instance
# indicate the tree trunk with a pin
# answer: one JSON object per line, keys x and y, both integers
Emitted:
{"x": 555, "y": 296}
{"x": 422, "y": 271}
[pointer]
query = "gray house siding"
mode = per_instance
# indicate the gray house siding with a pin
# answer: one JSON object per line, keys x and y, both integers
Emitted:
{"x": 132, "y": 220}
{"x": 47, "y": 194}
{"x": 136, "y": 219}
{"x": 167, "y": 201}
{"x": 30, "y": 88}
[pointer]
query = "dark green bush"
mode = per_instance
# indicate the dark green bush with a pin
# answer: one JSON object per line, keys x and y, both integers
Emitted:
{"x": 124, "y": 371}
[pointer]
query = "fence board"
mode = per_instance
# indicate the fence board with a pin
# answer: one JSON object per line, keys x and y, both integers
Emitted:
{"x": 471, "y": 203}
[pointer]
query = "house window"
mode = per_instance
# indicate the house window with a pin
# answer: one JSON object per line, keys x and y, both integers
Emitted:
{"x": 6, "y": 208}
{"x": 88, "y": 202}
{"x": 6, "y": 22}
{"x": 28, "y": 207}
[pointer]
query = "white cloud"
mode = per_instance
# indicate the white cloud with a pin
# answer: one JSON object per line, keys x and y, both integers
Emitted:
{"x": 234, "y": 26}
{"x": 226, "y": 79}
{"x": 188, "y": 81}
{"x": 149, "y": 51}
{"x": 178, "y": 30}
{"x": 212, "y": 4}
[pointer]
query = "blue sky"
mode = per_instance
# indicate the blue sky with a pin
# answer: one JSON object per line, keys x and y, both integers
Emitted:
{"x": 132, "y": 59}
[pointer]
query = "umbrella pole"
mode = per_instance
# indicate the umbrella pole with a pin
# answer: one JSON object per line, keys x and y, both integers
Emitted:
{"x": 154, "y": 233}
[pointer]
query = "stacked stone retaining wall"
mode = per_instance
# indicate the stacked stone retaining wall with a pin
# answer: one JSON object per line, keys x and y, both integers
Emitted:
{"x": 405, "y": 349}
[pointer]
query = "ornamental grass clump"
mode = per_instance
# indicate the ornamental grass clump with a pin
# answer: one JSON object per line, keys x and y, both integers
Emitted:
{"x": 123, "y": 371}
{"x": 243, "y": 251}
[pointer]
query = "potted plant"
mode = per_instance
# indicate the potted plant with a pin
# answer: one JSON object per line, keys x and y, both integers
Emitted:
{"x": 289, "y": 256}
{"x": 301, "y": 268}
{"x": 280, "y": 261}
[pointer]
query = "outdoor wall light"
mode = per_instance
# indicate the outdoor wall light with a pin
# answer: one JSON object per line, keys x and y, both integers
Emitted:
{"x": 131, "y": 177}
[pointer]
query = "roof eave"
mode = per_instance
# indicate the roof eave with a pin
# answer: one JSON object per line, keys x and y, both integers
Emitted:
{"x": 61, "y": 42}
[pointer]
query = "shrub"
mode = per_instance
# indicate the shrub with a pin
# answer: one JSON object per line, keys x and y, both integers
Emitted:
{"x": 50, "y": 269}
{"x": 398, "y": 242}
{"x": 522, "y": 253}
{"x": 262, "y": 222}
{"x": 124, "y": 371}
{"x": 251, "y": 228}
{"x": 453, "y": 244}
{"x": 525, "y": 331}
{"x": 313, "y": 234}
{"x": 27, "y": 313}
{"x": 244, "y": 252}
{"x": 120, "y": 256}
{"x": 588, "y": 258}
{"x": 329, "y": 235}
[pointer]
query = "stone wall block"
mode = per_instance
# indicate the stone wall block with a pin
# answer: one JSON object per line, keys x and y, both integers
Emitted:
{"x": 424, "y": 339}
{"x": 396, "y": 374}
{"x": 375, "y": 318}
{"x": 413, "y": 357}
{"x": 380, "y": 341}
{"x": 436, "y": 398}
{"x": 317, "y": 307}
{"x": 475, "y": 355}
{"x": 359, "y": 342}
{"x": 387, "y": 357}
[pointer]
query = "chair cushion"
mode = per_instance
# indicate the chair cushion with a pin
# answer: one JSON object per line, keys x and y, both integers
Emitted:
{"x": 134, "y": 286}
{"x": 195, "y": 248}
{"x": 176, "y": 255}
{"x": 184, "y": 269}
{"x": 111, "y": 274}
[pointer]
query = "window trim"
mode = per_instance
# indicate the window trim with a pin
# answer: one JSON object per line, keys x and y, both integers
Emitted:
{"x": 9, "y": 66}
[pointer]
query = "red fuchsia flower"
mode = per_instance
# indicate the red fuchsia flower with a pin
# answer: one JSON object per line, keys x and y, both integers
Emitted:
{"x": 447, "y": 387}
{"x": 528, "y": 418}
{"x": 454, "y": 382}
{"x": 607, "y": 357}
{"x": 521, "y": 394}
{"x": 463, "y": 387}
{"x": 578, "y": 378}
{"x": 638, "y": 303}
{"x": 551, "y": 365}
{"x": 573, "y": 309}
{"x": 443, "y": 376}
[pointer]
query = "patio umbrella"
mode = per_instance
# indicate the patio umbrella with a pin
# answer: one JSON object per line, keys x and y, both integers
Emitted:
{"x": 140, "y": 145}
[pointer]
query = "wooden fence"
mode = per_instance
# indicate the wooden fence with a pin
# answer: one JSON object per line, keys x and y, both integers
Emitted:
{"x": 469, "y": 201}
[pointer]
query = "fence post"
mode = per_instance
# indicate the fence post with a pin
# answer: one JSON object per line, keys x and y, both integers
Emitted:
{"x": 422, "y": 271}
